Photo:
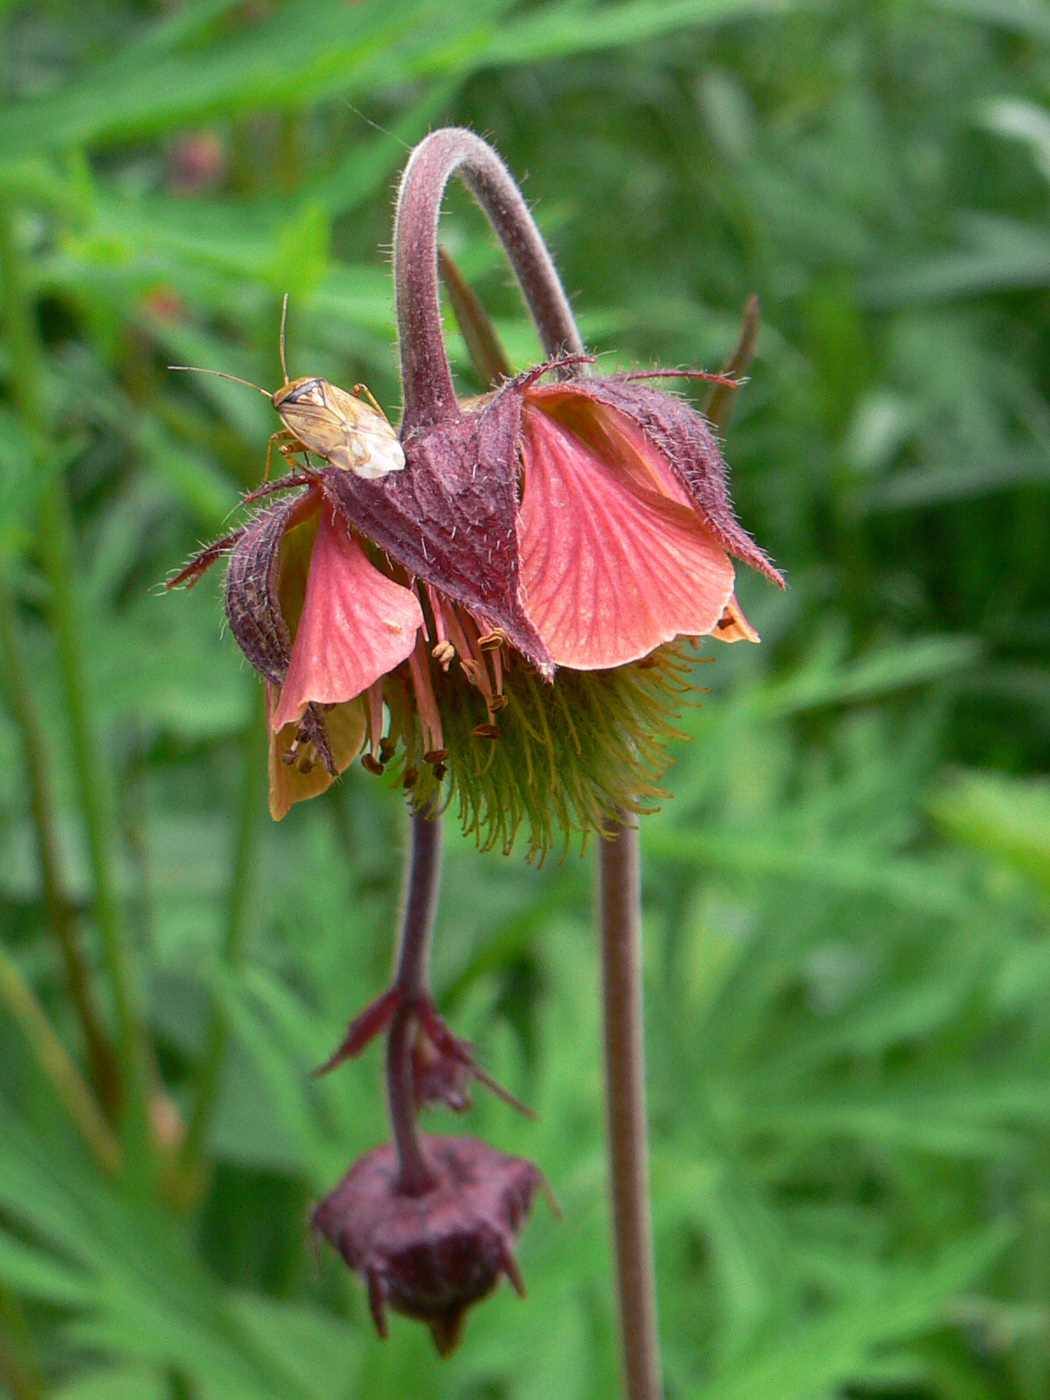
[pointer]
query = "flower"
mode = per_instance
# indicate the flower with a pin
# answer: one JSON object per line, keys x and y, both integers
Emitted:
{"x": 571, "y": 531}
{"x": 433, "y": 1254}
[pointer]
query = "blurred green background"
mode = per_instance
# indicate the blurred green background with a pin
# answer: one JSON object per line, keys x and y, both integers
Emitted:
{"x": 848, "y": 960}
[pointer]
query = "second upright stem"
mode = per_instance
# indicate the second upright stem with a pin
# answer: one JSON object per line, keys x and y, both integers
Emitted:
{"x": 619, "y": 893}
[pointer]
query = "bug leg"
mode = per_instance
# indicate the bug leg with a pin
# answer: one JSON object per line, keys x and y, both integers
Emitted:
{"x": 274, "y": 437}
{"x": 287, "y": 443}
{"x": 360, "y": 389}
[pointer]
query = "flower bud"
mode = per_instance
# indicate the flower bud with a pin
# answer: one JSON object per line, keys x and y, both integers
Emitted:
{"x": 431, "y": 1256}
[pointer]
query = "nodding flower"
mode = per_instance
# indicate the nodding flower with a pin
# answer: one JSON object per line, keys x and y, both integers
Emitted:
{"x": 502, "y": 621}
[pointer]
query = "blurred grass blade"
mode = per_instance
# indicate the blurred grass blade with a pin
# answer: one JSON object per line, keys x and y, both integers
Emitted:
{"x": 823, "y": 1355}
{"x": 557, "y": 29}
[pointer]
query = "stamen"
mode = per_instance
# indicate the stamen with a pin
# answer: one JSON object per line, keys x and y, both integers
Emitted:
{"x": 475, "y": 673}
{"x": 456, "y": 634}
{"x": 495, "y": 656}
{"x": 290, "y": 755}
{"x": 372, "y": 765}
{"x": 444, "y": 654}
{"x": 425, "y": 699}
{"x": 485, "y": 731}
{"x": 473, "y": 663}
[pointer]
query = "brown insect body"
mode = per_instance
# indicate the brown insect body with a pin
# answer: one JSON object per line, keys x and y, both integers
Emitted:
{"x": 321, "y": 418}
{"x": 338, "y": 426}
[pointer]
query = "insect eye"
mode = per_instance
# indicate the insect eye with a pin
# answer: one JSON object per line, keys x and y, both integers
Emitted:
{"x": 312, "y": 392}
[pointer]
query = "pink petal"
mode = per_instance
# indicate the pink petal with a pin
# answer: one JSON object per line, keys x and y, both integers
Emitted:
{"x": 612, "y": 436}
{"x": 610, "y": 569}
{"x": 356, "y": 625}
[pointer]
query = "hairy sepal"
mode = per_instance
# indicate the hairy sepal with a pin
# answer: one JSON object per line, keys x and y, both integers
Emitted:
{"x": 253, "y": 605}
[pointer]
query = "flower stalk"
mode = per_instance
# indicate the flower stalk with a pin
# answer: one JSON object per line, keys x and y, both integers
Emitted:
{"x": 430, "y": 396}
{"x": 620, "y": 924}
{"x": 422, "y": 881}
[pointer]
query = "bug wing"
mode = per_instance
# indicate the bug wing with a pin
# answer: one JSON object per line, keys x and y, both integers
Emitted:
{"x": 368, "y": 453}
{"x": 314, "y": 424}
{"x": 367, "y": 445}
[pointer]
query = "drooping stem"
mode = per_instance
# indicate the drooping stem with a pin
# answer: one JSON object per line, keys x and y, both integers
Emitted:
{"x": 621, "y": 935}
{"x": 422, "y": 879}
{"x": 426, "y": 378}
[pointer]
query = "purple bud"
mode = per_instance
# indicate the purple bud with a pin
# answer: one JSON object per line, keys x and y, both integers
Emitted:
{"x": 432, "y": 1255}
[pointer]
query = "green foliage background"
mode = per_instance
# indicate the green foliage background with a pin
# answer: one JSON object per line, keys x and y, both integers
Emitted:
{"x": 848, "y": 958}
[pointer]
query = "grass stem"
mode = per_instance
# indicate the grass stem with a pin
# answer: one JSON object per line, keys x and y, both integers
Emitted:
{"x": 58, "y": 551}
{"x": 58, "y": 907}
{"x": 58, "y": 1065}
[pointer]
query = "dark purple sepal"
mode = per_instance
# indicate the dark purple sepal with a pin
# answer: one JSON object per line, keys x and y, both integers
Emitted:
{"x": 253, "y": 607}
{"x": 449, "y": 516}
{"x": 432, "y": 1255}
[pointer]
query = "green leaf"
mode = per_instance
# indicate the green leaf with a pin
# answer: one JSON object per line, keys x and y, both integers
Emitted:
{"x": 823, "y": 1354}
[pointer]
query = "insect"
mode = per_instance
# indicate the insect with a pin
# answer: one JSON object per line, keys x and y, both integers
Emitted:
{"x": 319, "y": 417}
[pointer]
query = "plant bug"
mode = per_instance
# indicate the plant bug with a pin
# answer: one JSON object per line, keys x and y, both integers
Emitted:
{"x": 320, "y": 417}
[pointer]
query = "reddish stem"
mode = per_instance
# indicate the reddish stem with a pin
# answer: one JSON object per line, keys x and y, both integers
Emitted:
{"x": 423, "y": 877}
{"x": 621, "y": 931}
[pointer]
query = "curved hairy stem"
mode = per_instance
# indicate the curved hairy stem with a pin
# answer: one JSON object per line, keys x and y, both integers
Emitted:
{"x": 429, "y": 393}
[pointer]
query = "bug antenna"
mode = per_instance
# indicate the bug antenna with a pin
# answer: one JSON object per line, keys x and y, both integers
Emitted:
{"x": 221, "y": 374}
{"x": 284, "y": 324}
